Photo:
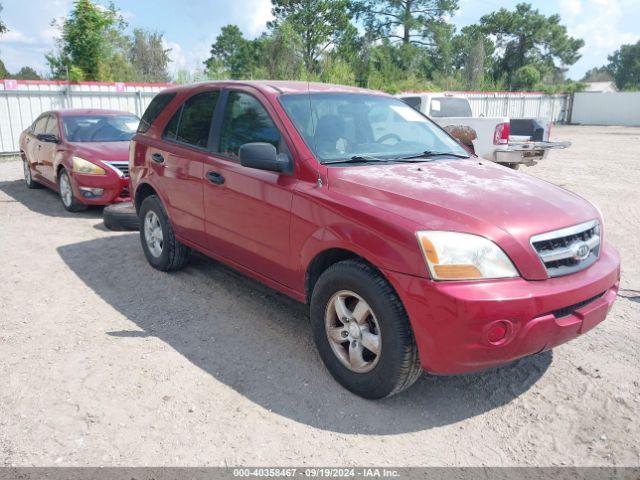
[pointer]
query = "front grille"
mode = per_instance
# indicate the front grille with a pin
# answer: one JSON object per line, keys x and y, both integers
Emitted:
{"x": 120, "y": 167}
{"x": 566, "y": 311}
{"x": 568, "y": 250}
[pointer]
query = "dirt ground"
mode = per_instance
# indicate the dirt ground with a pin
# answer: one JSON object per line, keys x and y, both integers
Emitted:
{"x": 104, "y": 361}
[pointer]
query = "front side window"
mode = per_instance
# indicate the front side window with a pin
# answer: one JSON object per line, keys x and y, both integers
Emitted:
{"x": 154, "y": 109}
{"x": 40, "y": 125}
{"x": 99, "y": 128}
{"x": 413, "y": 102}
{"x": 191, "y": 123}
{"x": 340, "y": 126}
{"x": 246, "y": 121}
{"x": 52, "y": 126}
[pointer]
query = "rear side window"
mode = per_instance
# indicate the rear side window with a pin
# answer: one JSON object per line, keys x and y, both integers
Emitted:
{"x": 246, "y": 121}
{"x": 191, "y": 124}
{"x": 413, "y": 102}
{"x": 154, "y": 109}
{"x": 450, "y": 107}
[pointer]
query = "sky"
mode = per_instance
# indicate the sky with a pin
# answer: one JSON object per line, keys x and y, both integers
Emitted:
{"x": 191, "y": 26}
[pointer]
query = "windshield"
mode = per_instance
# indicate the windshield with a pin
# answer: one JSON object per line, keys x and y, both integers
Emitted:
{"x": 99, "y": 128}
{"x": 340, "y": 126}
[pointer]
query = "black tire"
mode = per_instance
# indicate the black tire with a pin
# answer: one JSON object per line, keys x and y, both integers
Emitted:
{"x": 73, "y": 205}
{"x": 512, "y": 166}
{"x": 28, "y": 179}
{"x": 121, "y": 217}
{"x": 174, "y": 255}
{"x": 398, "y": 366}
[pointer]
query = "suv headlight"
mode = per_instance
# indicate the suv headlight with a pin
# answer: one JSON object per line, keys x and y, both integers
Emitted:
{"x": 463, "y": 256}
{"x": 80, "y": 165}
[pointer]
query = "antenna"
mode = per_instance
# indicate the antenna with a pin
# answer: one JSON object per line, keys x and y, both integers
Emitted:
{"x": 313, "y": 128}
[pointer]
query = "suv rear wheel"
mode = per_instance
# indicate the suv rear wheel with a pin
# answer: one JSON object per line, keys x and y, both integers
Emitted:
{"x": 163, "y": 251}
{"x": 362, "y": 331}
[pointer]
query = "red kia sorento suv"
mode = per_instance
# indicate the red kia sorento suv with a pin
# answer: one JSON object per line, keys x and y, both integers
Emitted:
{"x": 82, "y": 154}
{"x": 412, "y": 254}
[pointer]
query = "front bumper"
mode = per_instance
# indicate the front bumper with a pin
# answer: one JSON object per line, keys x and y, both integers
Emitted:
{"x": 116, "y": 188}
{"x": 450, "y": 320}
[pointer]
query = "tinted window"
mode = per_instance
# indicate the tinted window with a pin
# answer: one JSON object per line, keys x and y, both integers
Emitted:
{"x": 40, "y": 125}
{"x": 246, "y": 121}
{"x": 194, "y": 124}
{"x": 99, "y": 128}
{"x": 450, "y": 107}
{"x": 413, "y": 102}
{"x": 171, "y": 130}
{"x": 154, "y": 109}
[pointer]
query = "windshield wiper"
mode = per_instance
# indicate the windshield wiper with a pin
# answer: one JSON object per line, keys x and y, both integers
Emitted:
{"x": 360, "y": 159}
{"x": 430, "y": 154}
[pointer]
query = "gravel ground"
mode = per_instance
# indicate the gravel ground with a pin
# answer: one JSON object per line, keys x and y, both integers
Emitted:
{"x": 105, "y": 361}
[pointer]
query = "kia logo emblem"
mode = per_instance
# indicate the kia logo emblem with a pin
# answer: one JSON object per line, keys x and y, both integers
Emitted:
{"x": 581, "y": 250}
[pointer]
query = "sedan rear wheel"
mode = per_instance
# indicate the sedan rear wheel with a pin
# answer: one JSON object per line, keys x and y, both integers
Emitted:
{"x": 28, "y": 179}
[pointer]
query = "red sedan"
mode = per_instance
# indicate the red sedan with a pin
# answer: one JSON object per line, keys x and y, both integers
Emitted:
{"x": 81, "y": 154}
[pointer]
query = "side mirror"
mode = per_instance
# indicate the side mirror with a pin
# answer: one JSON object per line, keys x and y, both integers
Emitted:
{"x": 48, "y": 137}
{"x": 263, "y": 156}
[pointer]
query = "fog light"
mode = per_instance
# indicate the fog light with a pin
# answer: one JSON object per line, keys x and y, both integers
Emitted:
{"x": 91, "y": 192}
{"x": 497, "y": 332}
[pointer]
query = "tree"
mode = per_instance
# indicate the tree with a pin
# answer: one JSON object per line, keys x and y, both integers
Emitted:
{"x": 624, "y": 65}
{"x": 527, "y": 37}
{"x": 282, "y": 53}
{"x": 526, "y": 78}
{"x": 3, "y": 70}
{"x": 233, "y": 56}
{"x": 598, "y": 74}
{"x": 84, "y": 46}
{"x": 473, "y": 56}
{"x": 406, "y": 21}
{"x": 318, "y": 23}
{"x": 148, "y": 56}
{"x": 27, "y": 73}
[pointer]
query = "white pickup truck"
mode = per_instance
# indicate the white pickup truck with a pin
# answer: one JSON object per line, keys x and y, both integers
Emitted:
{"x": 509, "y": 142}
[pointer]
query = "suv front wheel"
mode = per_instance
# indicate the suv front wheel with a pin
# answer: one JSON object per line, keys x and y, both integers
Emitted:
{"x": 362, "y": 331}
{"x": 163, "y": 251}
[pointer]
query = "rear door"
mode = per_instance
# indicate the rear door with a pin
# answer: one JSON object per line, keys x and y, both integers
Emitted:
{"x": 248, "y": 211}
{"x": 178, "y": 160}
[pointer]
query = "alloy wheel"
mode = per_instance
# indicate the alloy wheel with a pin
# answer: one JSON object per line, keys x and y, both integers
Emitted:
{"x": 66, "y": 193}
{"x": 153, "y": 233}
{"x": 353, "y": 331}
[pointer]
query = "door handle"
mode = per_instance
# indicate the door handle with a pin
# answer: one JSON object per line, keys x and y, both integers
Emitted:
{"x": 215, "y": 177}
{"x": 157, "y": 157}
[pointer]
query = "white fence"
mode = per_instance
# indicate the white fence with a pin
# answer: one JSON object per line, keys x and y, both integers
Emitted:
{"x": 22, "y": 101}
{"x": 619, "y": 108}
{"x": 518, "y": 105}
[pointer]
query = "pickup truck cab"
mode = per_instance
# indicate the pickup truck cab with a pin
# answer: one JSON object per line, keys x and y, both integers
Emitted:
{"x": 411, "y": 254}
{"x": 512, "y": 142}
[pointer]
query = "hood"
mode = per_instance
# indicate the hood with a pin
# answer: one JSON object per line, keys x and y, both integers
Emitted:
{"x": 109, "y": 151}
{"x": 474, "y": 196}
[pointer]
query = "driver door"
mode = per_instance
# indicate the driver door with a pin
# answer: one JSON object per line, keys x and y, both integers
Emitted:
{"x": 47, "y": 150}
